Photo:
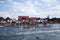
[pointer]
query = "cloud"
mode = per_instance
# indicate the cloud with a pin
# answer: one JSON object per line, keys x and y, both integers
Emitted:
{"x": 39, "y": 8}
{"x": 47, "y": 7}
{"x": 24, "y": 9}
{"x": 5, "y": 14}
{"x": 2, "y": 1}
{"x": 45, "y": 4}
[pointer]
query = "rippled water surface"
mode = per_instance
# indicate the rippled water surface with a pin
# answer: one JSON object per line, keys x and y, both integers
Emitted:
{"x": 51, "y": 32}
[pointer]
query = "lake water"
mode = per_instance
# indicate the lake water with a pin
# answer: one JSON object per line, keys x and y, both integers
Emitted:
{"x": 51, "y": 32}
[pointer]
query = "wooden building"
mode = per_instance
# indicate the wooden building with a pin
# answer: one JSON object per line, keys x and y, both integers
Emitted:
{"x": 23, "y": 19}
{"x": 33, "y": 20}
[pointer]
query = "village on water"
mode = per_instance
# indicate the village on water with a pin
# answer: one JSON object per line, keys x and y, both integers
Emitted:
{"x": 26, "y": 20}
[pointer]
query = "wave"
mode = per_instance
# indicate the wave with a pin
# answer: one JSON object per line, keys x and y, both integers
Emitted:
{"x": 32, "y": 32}
{"x": 1, "y": 26}
{"x": 37, "y": 32}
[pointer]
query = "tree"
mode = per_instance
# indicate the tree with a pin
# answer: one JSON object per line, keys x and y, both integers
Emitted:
{"x": 8, "y": 19}
{"x": 2, "y": 19}
{"x": 54, "y": 19}
{"x": 38, "y": 18}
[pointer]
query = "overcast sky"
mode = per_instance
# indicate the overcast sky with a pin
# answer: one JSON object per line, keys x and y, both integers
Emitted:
{"x": 35, "y": 8}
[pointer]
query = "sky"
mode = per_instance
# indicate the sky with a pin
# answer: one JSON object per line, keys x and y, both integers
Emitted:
{"x": 32, "y": 8}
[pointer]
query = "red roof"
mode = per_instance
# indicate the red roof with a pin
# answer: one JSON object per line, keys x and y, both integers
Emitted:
{"x": 24, "y": 16}
{"x": 21, "y": 17}
{"x": 33, "y": 18}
